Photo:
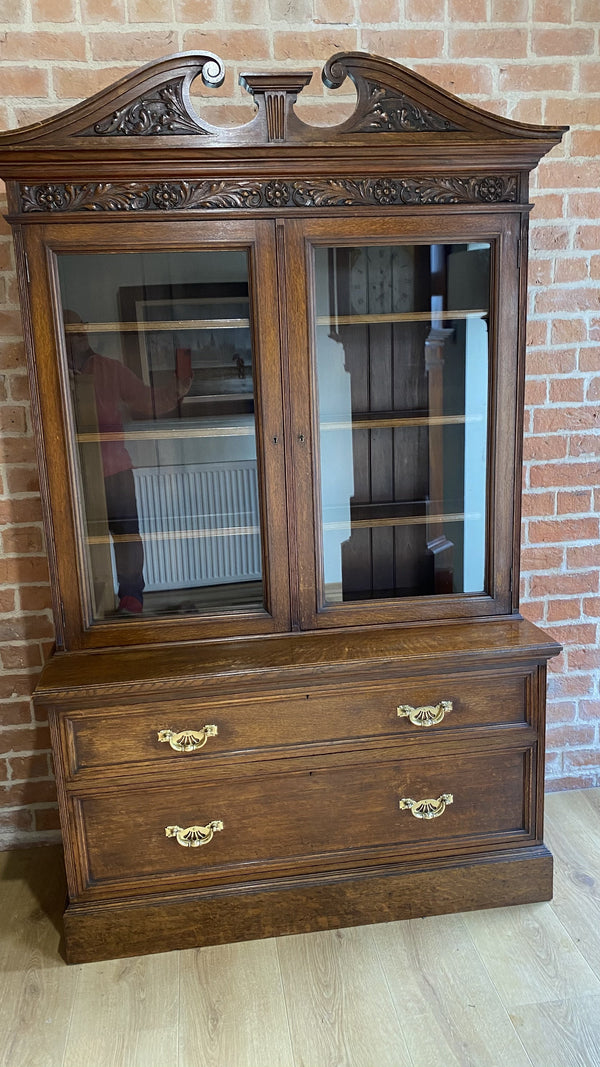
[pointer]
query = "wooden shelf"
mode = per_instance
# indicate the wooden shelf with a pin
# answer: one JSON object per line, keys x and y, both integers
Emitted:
{"x": 151, "y": 327}
{"x": 235, "y": 324}
{"x": 399, "y": 316}
{"x": 392, "y": 421}
{"x": 173, "y": 535}
{"x": 372, "y": 422}
{"x": 166, "y": 435}
{"x": 238, "y": 531}
{"x": 402, "y": 520}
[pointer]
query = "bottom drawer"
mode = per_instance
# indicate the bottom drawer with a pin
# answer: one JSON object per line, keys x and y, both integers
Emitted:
{"x": 328, "y": 817}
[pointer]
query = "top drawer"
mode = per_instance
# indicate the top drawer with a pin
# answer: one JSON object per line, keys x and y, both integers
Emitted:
{"x": 129, "y": 735}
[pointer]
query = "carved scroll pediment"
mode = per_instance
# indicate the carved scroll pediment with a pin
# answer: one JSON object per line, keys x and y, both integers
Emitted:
{"x": 391, "y": 102}
{"x": 153, "y": 101}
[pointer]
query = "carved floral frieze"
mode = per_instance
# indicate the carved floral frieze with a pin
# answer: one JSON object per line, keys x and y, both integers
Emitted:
{"x": 276, "y": 194}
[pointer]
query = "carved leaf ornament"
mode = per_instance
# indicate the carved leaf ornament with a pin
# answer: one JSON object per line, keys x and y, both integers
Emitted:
{"x": 274, "y": 194}
{"x": 160, "y": 112}
{"x": 395, "y": 112}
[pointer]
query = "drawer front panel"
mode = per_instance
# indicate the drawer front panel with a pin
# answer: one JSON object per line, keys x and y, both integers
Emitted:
{"x": 125, "y": 736}
{"x": 305, "y": 820}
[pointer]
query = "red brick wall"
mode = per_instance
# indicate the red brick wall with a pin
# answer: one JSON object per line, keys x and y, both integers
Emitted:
{"x": 533, "y": 60}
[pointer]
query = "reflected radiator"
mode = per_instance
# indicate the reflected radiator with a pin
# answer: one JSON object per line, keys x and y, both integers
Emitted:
{"x": 199, "y": 524}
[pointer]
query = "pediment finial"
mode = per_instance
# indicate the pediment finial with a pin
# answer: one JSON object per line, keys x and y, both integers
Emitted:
{"x": 277, "y": 93}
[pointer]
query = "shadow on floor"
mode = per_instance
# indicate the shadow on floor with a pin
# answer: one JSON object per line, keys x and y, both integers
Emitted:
{"x": 33, "y": 895}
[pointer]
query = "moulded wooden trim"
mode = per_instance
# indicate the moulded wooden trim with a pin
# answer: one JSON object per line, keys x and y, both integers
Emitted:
{"x": 290, "y": 659}
{"x": 189, "y": 919}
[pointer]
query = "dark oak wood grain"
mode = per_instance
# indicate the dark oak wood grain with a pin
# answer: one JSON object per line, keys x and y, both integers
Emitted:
{"x": 331, "y": 817}
{"x": 129, "y": 928}
{"x": 271, "y": 724}
{"x": 293, "y": 659}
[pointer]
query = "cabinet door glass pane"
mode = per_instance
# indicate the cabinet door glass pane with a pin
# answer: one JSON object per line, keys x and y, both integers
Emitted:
{"x": 159, "y": 351}
{"x": 402, "y": 357}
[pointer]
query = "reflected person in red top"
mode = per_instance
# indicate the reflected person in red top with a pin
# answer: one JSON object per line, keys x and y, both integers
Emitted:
{"x": 119, "y": 394}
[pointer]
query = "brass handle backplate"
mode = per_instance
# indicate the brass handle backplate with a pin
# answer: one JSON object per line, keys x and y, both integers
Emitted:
{"x": 426, "y": 809}
{"x": 428, "y": 715}
{"x": 188, "y": 740}
{"x": 194, "y": 836}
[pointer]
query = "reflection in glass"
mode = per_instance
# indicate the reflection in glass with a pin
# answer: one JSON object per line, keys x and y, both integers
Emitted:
{"x": 402, "y": 379}
{"x": 160, "y": 369}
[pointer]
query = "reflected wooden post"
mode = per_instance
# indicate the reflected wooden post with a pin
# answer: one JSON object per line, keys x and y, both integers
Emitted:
{"x": 440, "y": 547}
{"x": 101, "y": 571}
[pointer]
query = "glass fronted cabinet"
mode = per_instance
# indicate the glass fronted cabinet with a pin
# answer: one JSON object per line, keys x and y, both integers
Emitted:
{"x": 409, "y": 353}
{"x": 170, "y": 373}
{"x": 277, "y": 383}
{"x": 172, "y": 403}
{"x": 161, "y": 379}
{"x": 402, "y": 381}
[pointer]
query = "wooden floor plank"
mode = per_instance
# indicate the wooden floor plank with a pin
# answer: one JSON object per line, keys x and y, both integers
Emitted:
{"x": 36, "y": 1005}
{"x": 37, "y": 990}
{"x": 339, "y": 1006}
{"x": 573, "y": 831}
{"x": 125, "y": 1014}
{"x": 530, "y": 956}
{"x": 449, "y": 1009}
{"x": 232, "y": 1009}
{"x": 565, "y": 1033}
{"x": 573, "y": 828}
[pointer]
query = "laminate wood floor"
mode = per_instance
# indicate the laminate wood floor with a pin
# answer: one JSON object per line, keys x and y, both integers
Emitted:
{"x": 512, "y": 987}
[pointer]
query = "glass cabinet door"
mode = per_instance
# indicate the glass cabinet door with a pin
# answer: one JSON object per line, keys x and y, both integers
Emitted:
{"x": 401, "y": 346}
{"x": 401, "y": 339}
{"x": 163, "y": 388}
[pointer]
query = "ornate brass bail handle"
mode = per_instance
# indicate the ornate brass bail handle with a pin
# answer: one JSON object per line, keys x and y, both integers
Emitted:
{"x": 427, "y": 715}
{"x": 194, "y": 836}
{"x": 188, "y": 740}
{"x": 426, "y": 809}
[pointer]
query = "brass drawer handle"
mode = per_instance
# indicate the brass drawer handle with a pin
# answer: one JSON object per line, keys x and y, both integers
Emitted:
{"x": 426, "y": 809}
{"x": 428, "y": 715}
{"x": 194, "y": 836}
{"x": 187, "y": 740}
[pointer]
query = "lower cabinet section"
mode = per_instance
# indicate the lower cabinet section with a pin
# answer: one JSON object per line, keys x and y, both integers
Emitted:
{"x": 323, "y": 815}
{"x": 297, "y": 784}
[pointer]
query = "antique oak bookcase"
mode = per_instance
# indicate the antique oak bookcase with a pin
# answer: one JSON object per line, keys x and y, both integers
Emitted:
{"x": 277, "y": 381}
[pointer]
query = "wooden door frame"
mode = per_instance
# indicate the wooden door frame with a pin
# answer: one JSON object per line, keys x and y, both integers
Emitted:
{"x": 57, "y": 449}
{"x": 438, "y": 225}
